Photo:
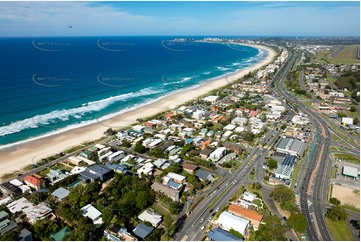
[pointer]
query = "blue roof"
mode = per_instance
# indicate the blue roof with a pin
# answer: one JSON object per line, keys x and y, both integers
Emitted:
{"x": 218, "y": 234}
{"x": 142, "y": 230}
{"x": 189, "y": 140}
{"x": 174, "y": 184}
{"x": 288, "y": 160}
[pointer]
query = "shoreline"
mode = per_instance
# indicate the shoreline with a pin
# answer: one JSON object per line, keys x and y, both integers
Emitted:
{"x": 17, "y": 156}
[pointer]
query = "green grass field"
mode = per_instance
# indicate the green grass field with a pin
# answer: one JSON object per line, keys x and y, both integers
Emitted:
{"x": 348, "y": 158}
{"x": 345, "y": 54}
{"x": 339, "y": 230}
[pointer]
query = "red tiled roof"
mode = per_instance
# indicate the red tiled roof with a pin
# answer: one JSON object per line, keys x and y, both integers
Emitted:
{"x": 32, "y": 180}
{"x": 247, "y": 213}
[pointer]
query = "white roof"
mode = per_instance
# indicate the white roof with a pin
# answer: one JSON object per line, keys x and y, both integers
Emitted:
{"x": 230, "y": 221}
{"x": 99, "y": 146}
{"x": 176, "y": 176}
{"x": 158, "y": 163}
{"x": 155, "y": 142}
{"x": 138, "y": 128}
{"x": 16, "y": 182}
{"x": 19, "y": 205}
{"x": 227, "y": 133}
{"x": 77, "y": 170}
{"x": 229, "y": 127}
{"x": 350, "y": 171}
{"x": 151, "y": 216}
{"x": 210, "y": 98}
{"x": 92, "y": 213}
{"x": 112, "y": 156}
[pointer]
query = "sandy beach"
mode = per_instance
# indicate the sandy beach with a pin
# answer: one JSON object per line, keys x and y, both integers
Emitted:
{"x": 16, "y": 157}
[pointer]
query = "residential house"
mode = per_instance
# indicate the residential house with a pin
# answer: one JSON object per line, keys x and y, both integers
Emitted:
{"x": 189, "y": 168}
{"x": 116, "y": 233}
{"x": 229, "y": 221}
{"x": 204, "y": 175}
{"x": 60, "y": 193}
{"x": 251, "y": 215}
{"x": 34, "y": 181}
{"x": 92, "y": 213}
{"x": 146, "y": 169}
{"x": 205, "y": 153}
{"x": 142, "y": 231}
{"x": 217, "y": 154}
{"x": 19, "y": 205}
{"x": 9, "y": 189}
{"x": 5, "y": 223}
{"x": 96, "y": 172}
{"x": 55, "y": 176}
{"x": 176, "y": 177}
{"x": 38, "y": 212}
{"x": 237, "y": 148}
{"x": 218, "y": 234}
{"x": 149, "y": 215}
{"x": 166, "y": 190}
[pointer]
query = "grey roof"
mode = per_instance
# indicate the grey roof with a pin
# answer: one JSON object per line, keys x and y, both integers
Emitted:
{"x": 218, "y": 234}
{"x": 99, "y": 169}
{"x": 86, "y": 175}
{"x": 3, "y": 215}
{"x": 61, "y": 193}
{"x": 25, "y": 235}
{"x": 204, "y": 175}
{"x": 283, "y": 143}
{"x": 142, "y": 230}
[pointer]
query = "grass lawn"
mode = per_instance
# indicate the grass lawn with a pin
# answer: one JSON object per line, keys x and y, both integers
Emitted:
{"x": 338, "y": 55}
{"x": 348, "y": 158}
{"x": 350, "y": 207}
{"x": 251, "y": 177}
{"x": 44, "y": 172}
{"x": 296, "y": 170}
{"x": 339, "y": 230}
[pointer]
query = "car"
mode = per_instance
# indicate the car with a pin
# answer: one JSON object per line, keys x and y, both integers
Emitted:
{"x": 202, "y": 228}
{"x": 210, "y": 218}
{"x": 217, "y": 209}
{"x": 201, "y": 221}
{"x": 211, "y": 210}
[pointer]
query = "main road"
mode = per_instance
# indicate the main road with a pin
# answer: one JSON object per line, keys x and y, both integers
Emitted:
{"x": 315, "y": 185}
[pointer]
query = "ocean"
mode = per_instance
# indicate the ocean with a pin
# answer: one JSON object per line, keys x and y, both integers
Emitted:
{"x": 54, "y": 84}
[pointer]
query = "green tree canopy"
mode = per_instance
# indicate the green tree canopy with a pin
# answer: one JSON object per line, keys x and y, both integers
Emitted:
{"x": 272, "y": 164}
{"x": 337, "y": 213}
{"x": 298, "y": 222}
{"x": 334, "y": 201}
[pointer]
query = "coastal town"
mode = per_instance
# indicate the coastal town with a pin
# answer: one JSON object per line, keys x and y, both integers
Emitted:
{"x": 273, "y": 155}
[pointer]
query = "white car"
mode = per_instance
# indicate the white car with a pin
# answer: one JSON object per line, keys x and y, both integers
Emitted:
{"x": 202, "y": 228}
{"x": 217, "y": 209}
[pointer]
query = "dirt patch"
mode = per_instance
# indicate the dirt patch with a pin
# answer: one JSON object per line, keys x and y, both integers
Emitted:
{"x": 281, "y": 211}
{"x": 346, "y": 195}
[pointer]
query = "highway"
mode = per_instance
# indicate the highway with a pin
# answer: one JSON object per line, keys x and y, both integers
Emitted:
{"x": 319, "y": 165}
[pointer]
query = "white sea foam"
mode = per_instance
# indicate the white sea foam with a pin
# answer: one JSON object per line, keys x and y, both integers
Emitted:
{"x": 222, "y": 68}
{"x": 76, "y": 112}
{"x": 207, "y": 73}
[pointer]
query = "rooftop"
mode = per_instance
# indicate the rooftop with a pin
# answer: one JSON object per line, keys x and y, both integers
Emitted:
{"x": 247, "y": 213}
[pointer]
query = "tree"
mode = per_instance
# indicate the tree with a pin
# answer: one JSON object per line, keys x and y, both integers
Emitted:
{"x": 285, "y": 197}
{"x": 271, "y": 230}
{"x": 272, "y": 164}
{"x": 140, "y": 148}
{"x": 298, "y": 222}
{"x": 326, "y": 91}
{"x": 126, "y": 143}
{"x": 353, "y": 109}
{"x": 44, "y": 228}
{"x": 337, "y": 213}
{"x": 355, "y": 121}
{"x": 9, "y": 236}
{"x": 341, "y": 115}
{"x": 236, "y": 233}
{"x": 334, "y": 201}
{"x": 142, "y": 200}
{"x": 110, "y": 132}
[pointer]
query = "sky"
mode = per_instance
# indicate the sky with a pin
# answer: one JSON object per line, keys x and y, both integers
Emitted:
{"x": 180, "y": 18}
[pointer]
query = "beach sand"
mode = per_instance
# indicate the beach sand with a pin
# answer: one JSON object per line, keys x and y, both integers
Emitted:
{"x": 15, "y": 158}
